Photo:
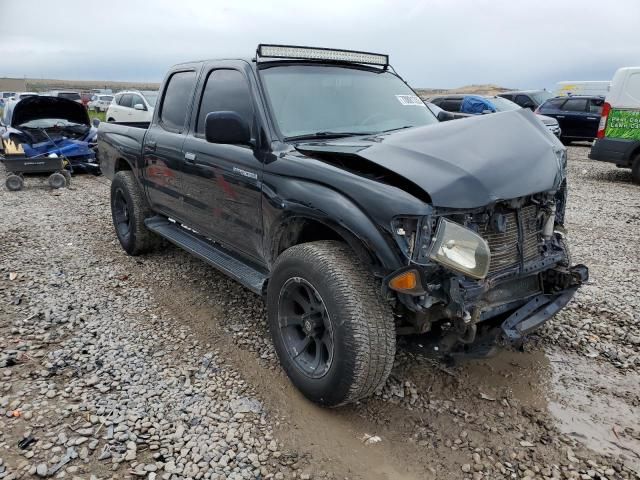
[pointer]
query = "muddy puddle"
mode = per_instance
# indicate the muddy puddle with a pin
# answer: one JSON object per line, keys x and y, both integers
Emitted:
{"x": 596, "y": 404}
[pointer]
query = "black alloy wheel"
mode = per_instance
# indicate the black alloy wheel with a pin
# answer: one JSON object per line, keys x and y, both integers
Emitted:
{"x": 305, "y": 327}
{"x": 121, "y": 215}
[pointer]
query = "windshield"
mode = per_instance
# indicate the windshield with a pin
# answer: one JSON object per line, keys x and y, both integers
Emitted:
{"x": 69, "y": 95}
{"x": 541, "y": 97}
{"x": 106, "y": 98}
{"x": 151, "y": 97}
{"x": 310, "y": 99}
{"x": 503, "y": 105}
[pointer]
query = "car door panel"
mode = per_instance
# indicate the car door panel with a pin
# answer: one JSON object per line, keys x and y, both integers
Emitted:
{"x": 223, "y": 183}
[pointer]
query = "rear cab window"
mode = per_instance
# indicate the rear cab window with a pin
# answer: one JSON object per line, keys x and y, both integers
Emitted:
{"x": 176, "y": 101}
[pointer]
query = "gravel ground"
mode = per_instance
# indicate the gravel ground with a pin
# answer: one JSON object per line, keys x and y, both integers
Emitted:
{"x": 159, "y": 367}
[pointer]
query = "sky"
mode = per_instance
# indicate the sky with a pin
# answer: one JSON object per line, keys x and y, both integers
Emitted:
{"x": 435, "y": 43}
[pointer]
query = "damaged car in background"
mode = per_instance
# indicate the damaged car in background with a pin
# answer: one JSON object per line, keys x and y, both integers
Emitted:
{"x": 45, "y": 126}
{"x": 318, "y": 179}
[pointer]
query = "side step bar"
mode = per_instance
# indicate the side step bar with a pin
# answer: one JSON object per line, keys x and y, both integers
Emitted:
{"x": 214, "y": 255}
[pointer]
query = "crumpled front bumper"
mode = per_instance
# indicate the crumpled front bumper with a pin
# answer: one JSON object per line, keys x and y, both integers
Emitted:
{"x": 537, "y": 311}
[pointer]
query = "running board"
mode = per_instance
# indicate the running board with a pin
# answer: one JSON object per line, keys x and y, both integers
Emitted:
{"x": 214, "y": 255}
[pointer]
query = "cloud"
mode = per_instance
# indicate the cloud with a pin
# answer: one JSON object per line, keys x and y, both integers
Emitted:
{"x": 439, "y": 43}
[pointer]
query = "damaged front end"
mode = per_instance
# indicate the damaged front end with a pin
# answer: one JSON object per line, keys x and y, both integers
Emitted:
{"x": 479, "y": 277}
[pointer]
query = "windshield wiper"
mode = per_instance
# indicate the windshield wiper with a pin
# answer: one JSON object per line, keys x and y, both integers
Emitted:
{"x": 328, "y": 134}
{"x": 397, "y": 128}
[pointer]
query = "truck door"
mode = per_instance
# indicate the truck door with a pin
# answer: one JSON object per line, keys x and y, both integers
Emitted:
{"x": 223, "y": 182}
{"x": 162, "y": 150}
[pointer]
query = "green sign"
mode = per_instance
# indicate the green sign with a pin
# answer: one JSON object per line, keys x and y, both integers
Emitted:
{"x": 623, "y": 124}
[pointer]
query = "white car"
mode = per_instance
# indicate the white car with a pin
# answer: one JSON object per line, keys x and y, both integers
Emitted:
{"x": 132, "y": 106}
{"x": 21, "y": 95}
{"x": 100, "y": 103}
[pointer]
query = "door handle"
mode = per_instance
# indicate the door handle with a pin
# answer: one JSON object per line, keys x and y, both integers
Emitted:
{"x": 559, "y": 116}
{"x": 190, "y": 157}
{"x": 593, "y": 118}
{"x": 150, "y": 145}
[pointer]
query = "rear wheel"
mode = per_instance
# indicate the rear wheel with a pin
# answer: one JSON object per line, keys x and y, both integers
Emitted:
{"x": 129, "y": 209}
{"x": 635, "y": 169}
{"x": 333, "y": 332}
{"x": 57, "y": 180}
{"x": 14, "y": 182}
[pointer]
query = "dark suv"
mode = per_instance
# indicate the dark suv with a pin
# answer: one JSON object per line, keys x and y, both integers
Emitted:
{"x": 318, "y": 179}
{"x": 530, "y": 99}
{"x": 577, "y": 115}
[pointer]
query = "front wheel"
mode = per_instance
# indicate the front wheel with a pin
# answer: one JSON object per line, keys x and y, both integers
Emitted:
{"x": 332, "y": 330}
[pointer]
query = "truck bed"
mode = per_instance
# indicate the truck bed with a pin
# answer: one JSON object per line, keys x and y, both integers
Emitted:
{"x": 120, "y": 140}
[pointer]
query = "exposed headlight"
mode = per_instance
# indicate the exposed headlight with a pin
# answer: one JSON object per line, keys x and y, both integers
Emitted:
{"x": 460, "y": 249}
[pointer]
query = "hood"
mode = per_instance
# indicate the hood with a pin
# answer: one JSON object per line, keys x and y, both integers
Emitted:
{"x": 547, "y": 120}
{"x": 466, "y": 164}
{"x": 37, "y": 108}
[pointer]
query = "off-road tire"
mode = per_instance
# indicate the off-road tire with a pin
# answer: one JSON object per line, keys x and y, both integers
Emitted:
{"x": 14, "y": 182}
{"x": 57, "y": 180}
{"x": 635, "y": 170}
{"x": 139, "y": 239}
{"x": 362, "y": 322}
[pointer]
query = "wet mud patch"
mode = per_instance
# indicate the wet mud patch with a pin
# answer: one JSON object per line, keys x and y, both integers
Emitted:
{"x": 596, "y": 404}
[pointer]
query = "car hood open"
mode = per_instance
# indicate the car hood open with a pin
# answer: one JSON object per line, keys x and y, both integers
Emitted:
{"x": 465, "y": 164}
{"x": 41, "y": 107}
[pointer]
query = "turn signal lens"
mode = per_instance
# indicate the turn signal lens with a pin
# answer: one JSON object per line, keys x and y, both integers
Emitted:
{"x": 405, "y": 281}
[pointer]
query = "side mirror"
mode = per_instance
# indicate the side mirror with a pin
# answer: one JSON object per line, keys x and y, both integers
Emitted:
{"x": 445, "y": 116}
{"x": 227, "y": 127}
{"x": 139, "y": 106}
{"x": 95, "y": 122}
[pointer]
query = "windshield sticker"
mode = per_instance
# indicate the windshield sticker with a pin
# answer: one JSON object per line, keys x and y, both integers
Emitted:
{"x": 410, "y": 100}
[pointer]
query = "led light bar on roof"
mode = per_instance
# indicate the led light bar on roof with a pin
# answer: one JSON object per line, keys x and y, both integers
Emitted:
{"x": 309, "y": 53}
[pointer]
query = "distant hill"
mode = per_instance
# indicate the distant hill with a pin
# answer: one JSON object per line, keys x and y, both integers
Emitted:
{"x": 488, "y": 89}
{"x": 44, "y": 84}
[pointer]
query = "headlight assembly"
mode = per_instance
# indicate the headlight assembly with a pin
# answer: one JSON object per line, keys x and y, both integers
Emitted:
{"x": 460, "y": 249}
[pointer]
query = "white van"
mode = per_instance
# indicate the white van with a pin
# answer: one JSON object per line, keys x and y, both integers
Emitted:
{"x": 619, "y": 130}
{"x": 590, "y": 87}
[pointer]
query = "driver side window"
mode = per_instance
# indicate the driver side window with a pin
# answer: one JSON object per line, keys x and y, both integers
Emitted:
{"x": 225, "y": 90}
{"x": 136, "y": 99}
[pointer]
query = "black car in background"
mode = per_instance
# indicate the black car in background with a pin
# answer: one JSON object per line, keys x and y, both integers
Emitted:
{"x": 578, "y": 115}
{"x": 530, "y": 99}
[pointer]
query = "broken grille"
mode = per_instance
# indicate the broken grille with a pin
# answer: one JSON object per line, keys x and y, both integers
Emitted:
{"x": 505, "y": 246}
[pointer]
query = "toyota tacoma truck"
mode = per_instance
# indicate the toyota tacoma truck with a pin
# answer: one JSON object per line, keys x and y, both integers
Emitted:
{"x": 319, "y": 180}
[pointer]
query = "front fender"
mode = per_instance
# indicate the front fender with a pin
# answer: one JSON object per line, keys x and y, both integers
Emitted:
{"x": 298, "y": 198}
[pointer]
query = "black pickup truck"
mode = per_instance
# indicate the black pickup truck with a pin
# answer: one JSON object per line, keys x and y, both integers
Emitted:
{"x": 318, "y": 179}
